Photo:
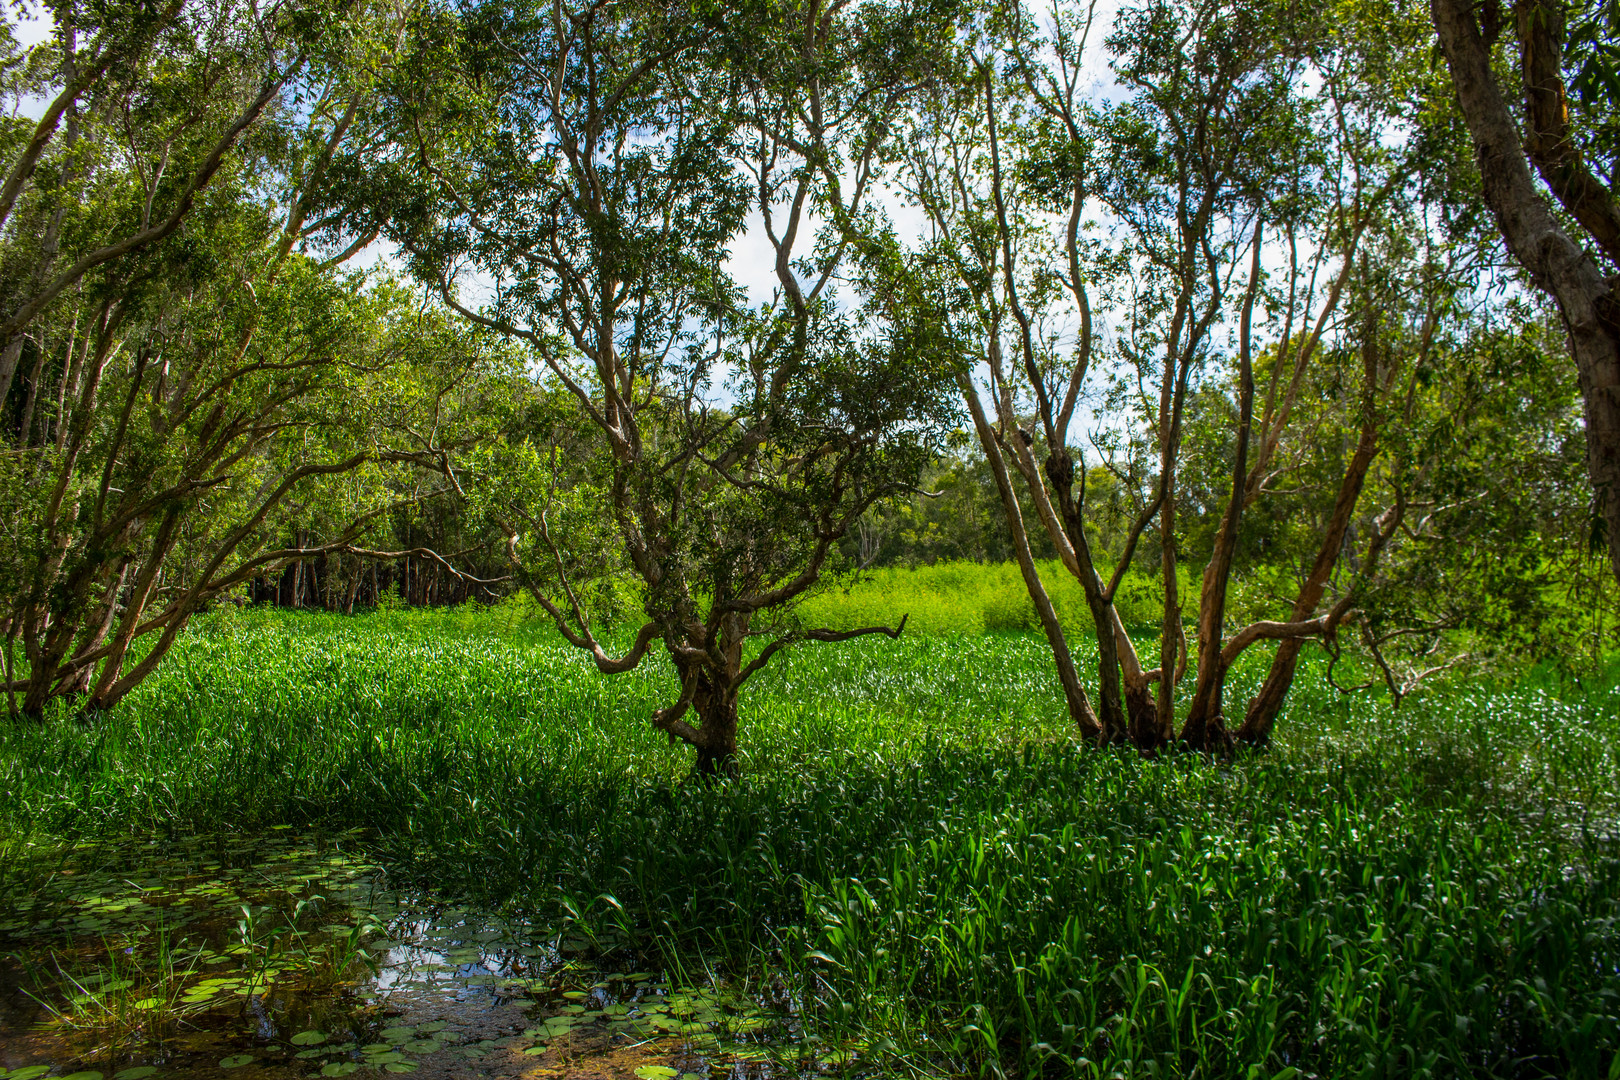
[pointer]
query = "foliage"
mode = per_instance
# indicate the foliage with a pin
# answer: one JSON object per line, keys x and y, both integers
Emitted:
{"x": 594, "y": 167}
{"x": 204, "y": 376}
{"x": 1420, "y": 893}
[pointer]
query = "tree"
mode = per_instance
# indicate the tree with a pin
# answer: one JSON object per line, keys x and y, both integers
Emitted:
{"x": 592, "y": 164}
{"x": 1245, "y": 126}
{"x": 203, "y": 367}
{"x": 1572, "y": 256}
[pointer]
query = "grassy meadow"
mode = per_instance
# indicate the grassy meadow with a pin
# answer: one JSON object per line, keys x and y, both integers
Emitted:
{"x": 926, "y": 870}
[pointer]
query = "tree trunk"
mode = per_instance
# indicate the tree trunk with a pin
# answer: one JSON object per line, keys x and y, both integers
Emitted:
{"x": 1556, "y": 263}
{"x": 26, "y": 423}
{"x": 8, "y": 367}
{"x": 1170, "y": 628}
{"x": 79, "y": 684}
{"x": 716, "y": 707}
{"x": 1079, "y": 705}
{"x": 1066, "y": 522}
{"x": 1264, "y": 707}
{"x": 1205, "y": 728}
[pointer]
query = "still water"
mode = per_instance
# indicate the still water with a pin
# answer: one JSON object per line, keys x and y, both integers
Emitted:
{"x": 285, "y": 956}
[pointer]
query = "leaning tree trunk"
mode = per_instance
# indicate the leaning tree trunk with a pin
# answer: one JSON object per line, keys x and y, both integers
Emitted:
{"x": 1264, "y": 706}
{"x": 1066, "y": 526}
{"x": 1074, "y": 694}
{"x": 1556, "y": 263}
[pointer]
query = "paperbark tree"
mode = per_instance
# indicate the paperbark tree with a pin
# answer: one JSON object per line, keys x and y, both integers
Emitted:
{"x": 596, "y": 163}
{"x": 212, "y": 368}
{"x": 1218, "y": 135}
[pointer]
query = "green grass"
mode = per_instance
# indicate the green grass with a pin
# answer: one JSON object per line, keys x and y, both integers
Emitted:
{"x": 968, "y": 598}
{"x": 942, "y": 878}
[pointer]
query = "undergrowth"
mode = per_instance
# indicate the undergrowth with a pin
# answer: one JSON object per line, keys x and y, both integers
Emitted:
{"x": 918, "y": 849}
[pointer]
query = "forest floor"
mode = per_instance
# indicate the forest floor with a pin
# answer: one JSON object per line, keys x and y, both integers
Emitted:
{"x": 439, "y": 842}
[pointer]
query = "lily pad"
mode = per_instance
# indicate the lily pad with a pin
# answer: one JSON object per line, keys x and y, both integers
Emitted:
{"x": 400, "y": 1066}
{"x": 309, "y": 1038}
{"x": 88, "y": 1074}
{"x": 657, "y": 1072}
{"x": 236, "y": 1061}
{"x": 139, "y": 1072}
{"x": 339, "y": 1068}
{"x": 28, "y": 1072}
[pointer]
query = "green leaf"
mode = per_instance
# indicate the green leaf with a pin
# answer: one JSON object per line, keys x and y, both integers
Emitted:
{"x": 657, "y": 1072}
{"x": 236, "y": 1061}
{"x": 139, "y": 1072}
{"x": 339, "y": 1068}
{"x": 309, "y": 1038}
{"x": 28, "y": 1072}
{"x": 88, "y": 1074}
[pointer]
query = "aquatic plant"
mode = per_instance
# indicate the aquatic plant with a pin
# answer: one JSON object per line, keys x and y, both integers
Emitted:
{"x": 921, "y": 869}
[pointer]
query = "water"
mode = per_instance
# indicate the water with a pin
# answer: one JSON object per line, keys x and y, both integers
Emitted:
{"x": 252, "y": 958}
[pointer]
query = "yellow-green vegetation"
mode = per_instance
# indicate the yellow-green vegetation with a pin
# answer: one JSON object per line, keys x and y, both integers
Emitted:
{"x": 971, "y": 598}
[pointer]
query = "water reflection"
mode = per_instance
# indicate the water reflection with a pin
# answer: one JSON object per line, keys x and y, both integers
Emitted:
{"x": 287, "y": 956}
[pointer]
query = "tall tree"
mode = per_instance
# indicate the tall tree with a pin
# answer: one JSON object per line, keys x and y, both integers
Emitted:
{"x": 1573, "y": 255}
{"x": 202, "y": 363}
{"x": 593, "y": 164}
{"x": 1242, "y": 178}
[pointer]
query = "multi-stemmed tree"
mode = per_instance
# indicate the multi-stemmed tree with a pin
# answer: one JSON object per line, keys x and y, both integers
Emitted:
{"x": 581, "y": 180}
{"x": 201, "y": 370}
{"x": 1249, "y": 184}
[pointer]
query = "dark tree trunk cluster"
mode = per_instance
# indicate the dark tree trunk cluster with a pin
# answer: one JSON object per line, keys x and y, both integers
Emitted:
{"x": 340, "y": 583}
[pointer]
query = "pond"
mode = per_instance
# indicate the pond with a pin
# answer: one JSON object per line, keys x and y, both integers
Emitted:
{"x": 281, "y": 956}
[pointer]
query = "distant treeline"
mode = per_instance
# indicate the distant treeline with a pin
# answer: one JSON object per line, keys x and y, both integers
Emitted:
{"x": 1547, "y": 597}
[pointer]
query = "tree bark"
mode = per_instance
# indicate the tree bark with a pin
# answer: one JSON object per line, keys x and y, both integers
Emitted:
{"x": 716, "y": 707}
{"x": 1555, "y": 262}
{"x": 1080, "y": 710}
{"x": 1264, "y": 707}
{"x": 1115, "y": 723}
{"x": 1205, "y": 727}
